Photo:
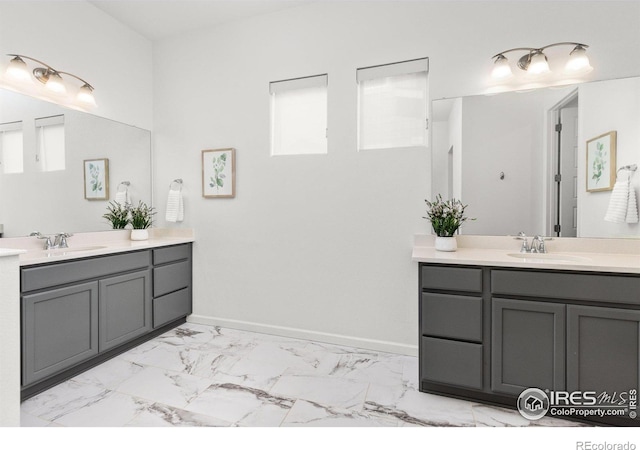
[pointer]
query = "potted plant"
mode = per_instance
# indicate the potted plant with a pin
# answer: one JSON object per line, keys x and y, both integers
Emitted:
{"x": 117, "y": 215}
{"x": 446, "y": 217}
{"x": 141, "y": 220}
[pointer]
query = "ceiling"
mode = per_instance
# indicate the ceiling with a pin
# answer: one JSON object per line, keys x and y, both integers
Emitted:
{"x": 158, "y": 19}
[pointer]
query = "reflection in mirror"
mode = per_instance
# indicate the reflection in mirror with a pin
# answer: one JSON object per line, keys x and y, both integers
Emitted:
{"x": 42, "y": 149}
{"x": 519, "y": 159}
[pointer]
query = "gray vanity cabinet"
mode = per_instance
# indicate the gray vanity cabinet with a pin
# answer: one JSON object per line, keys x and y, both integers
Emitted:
{"x": 78, "y": 313}
{"x": 489, "y": 333}
{"x": 603, "y": 349}
{"x": 59, "y": 329}
{"x": 74, "y": 310}
{"x": 172, "y": 296}
{"x": 527, "y": 345}
{"x": 451, "y": 328}
{"x": 125, "y": 308}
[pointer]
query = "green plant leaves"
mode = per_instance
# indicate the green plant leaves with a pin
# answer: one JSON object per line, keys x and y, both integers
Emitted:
{"x": 140, "y": 217}
{"x": 117, "y": 215}
{"x": 445, "y": 216}
{"x": 219, "y": 165}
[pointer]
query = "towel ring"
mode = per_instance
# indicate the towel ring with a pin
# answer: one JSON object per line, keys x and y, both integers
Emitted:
{"x": 631, "y": 168}
{"x": 125, "y": 184}
{"x": 177, "y": 181}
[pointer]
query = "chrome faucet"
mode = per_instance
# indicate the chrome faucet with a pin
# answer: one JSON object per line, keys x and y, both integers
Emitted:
{"x": 539, "y": 248}
{"x": 60, "y": 240}
{"x": 537, "y": 243}
{"x": 48, "y": 245}
{"x": 525, "y": 245}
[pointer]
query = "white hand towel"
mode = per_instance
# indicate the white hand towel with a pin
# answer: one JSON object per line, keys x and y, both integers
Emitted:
{"x": 632, "y": 207}
{"x": 175, "y": 207}
{"x": 122, "y": 197}
{"x": 618, "y": 202}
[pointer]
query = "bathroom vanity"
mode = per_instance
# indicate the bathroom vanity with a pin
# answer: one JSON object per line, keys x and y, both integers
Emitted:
{"x": 84, "y": 308}
{"x": 492, "y": 326}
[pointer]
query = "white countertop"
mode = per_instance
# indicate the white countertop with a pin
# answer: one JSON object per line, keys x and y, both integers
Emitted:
{"x": 84, "y": 245}
{"x": 10, "y": 252}
{"x": 590, "y": 260}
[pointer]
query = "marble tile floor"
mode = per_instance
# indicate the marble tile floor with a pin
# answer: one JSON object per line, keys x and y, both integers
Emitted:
{"x": 206, "y": 376}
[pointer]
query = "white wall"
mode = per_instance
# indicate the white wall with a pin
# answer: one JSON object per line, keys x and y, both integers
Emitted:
{"x": 439, "y": 159}
{"x": 604, "y": 107}
{"x": 320, "y": 246}
{"x": 76, "y": 37}
{"x": 455, "y": 141}
{"x": 42, "y": 201}
{"x": 502, "y": 134}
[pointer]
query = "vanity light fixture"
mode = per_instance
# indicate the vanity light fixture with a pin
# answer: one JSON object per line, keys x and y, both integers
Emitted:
{"x": 534, "y": 61}
{"x": 17, "y": 70}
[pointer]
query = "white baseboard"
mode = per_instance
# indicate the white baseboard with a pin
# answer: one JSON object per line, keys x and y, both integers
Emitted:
{"x": 339, "y": 339}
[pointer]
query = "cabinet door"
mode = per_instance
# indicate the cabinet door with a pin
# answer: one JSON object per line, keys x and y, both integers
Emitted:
{"x": 125, "y": 308}
{"x": 59, "y": 330}
{"x": 603, "y": 347}
{"x": 451, "y": 362}
{"x": 171, "y": 307}
{"x": 528, "y": 346}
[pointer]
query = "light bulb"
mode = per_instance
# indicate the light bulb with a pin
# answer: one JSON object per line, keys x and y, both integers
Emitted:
{"x": 85, "y": 95}
{"x": 578, "y": 62}
{"x": 501, "y": 68}
{"x": 17, "y": 70}
{"x": 538, "y": 64}
{"x": 55, "y": 83}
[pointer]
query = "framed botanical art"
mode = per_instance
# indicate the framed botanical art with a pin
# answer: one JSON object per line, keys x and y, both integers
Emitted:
{"x": 96, "y": 179}
{"x": 601, "y": 162}
{"x": 219, "y": 173}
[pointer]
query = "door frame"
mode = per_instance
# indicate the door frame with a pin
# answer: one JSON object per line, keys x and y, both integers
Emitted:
{"x": 551, "y": 166}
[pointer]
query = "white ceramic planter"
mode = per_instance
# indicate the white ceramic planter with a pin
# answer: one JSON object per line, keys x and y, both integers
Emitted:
{"x": 139, "y": 235}
{"x": 446, "y": 244}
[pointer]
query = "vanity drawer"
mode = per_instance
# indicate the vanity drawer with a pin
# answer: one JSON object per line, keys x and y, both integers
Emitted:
{"x": 452, "y": 316}
{"x": 451, "y": 362}
{"x": 81, "y": 270}
{"x": 171, "y": 277}
{"x": 171, "y": 307}
{"x": 169, "y": 254}
{"x": 465, "y": 279}
{"x": 570, "y": 286}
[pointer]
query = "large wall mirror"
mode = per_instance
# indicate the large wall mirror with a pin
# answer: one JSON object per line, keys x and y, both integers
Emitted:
{"x": 43, "y": 147}
{"x": 519, "y": 159}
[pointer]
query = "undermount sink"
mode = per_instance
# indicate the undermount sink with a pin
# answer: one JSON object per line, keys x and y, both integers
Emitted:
{"x": 66, "y": 251}
{"x": 548, "y": 257}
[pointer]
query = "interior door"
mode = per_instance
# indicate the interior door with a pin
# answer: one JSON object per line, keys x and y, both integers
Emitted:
{"x": 568, "y": 168}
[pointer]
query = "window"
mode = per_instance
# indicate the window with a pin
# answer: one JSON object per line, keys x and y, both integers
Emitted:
{"x": 11, "y": 147}
{"x": 50, "y": 141}
{"x": 299, "y": 116}
{"x": 392, "y": 105}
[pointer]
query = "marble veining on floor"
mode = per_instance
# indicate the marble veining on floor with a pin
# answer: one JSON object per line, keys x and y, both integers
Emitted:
{"x": 197, "y": 375}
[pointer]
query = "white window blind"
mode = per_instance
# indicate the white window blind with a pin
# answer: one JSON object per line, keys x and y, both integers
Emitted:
{"x": 11, "y": 147}
{"x": 299, "y": 116}
{"x": 51, "y": 143}
{"x": 392, "y": 105}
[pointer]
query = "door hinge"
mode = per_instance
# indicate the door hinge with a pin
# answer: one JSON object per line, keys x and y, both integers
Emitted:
{"x": 557, "y": 178}
{"x": 427, "y": 124}
{"x": 558, "y": 127}
{"x": 556, "y": 228}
